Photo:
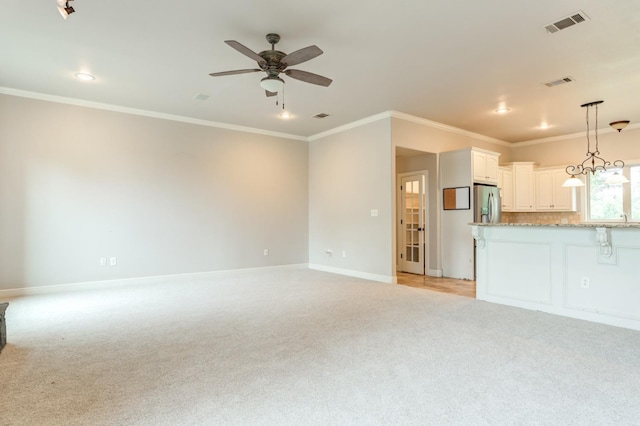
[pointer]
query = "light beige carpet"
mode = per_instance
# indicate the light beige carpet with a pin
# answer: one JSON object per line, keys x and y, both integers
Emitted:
{"x": 300, "y": 347}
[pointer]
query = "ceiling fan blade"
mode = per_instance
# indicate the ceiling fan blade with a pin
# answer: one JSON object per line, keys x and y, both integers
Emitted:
{"x": 244, "y": 50}
{"x": 309, "y": 77}
{"x": 302, "y": 55}
{"x": 219, "y": 74}
{"x": 268, "y": 93}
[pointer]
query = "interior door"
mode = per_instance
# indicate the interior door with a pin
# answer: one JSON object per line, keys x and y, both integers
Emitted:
{"x": 412, "y": 223}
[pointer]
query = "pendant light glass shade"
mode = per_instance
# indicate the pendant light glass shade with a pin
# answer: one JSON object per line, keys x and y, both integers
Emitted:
{"x": 572, "y": 182}
{"x": 616, "y": 179}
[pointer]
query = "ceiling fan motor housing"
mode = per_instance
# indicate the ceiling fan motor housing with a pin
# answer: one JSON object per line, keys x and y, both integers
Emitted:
{"x": 272, "y": 64}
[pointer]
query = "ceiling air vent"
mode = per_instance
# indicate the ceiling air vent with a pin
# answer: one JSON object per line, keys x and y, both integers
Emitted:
{"x": 569, "y": 21}
{"x": 560, "y": 81}
{"x": 321, "y": 115}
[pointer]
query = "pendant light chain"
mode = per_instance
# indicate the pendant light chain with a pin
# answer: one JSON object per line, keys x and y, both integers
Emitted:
{"x": 593, "y": 163}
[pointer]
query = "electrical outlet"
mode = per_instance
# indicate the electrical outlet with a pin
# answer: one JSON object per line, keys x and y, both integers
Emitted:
{"x": 584, "y": 282}
{"x": 103, "y": 261}
{"x": 344, "y": 254}
{"x": 265, "y": 252}
{"x": 113, "y": 261}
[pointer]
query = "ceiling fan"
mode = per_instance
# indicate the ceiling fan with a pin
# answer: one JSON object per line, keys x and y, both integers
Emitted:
{"x": 274, "y": 62}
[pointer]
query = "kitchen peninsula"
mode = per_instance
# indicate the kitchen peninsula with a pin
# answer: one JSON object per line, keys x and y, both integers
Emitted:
{"x": 586, "y": 271}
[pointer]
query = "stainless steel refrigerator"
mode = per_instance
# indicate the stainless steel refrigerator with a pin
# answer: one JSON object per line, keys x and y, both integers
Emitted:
{"x": 486, "y": 204}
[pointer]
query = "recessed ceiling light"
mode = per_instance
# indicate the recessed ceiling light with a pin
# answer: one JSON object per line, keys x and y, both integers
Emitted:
{"x": 502, "y": 110}
{"x": 285, "y": 115}
{"x": 544, "y": 125}
{"x": 84, "y": 76}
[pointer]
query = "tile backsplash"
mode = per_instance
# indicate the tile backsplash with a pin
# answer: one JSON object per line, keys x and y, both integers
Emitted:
{"x": 542, "y": 217}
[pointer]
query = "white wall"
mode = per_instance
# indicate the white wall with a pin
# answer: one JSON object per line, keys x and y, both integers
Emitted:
{"x": 457, "y": 242}
{"x": 350, "y": 173}
{"x": 164, "y": 197}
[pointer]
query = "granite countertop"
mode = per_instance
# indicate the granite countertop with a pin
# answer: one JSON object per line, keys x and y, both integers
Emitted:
{"x": 566, "y": 225}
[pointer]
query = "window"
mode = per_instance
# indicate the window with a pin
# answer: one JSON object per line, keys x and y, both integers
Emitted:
{"x": 612, "y": 202}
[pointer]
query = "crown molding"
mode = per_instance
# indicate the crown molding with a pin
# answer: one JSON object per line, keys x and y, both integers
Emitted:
{"x": 145, "y": 113}
{"x": 413, "y": 119}
{"x": 570, "y": 136}
{"x": 447, "y": 128}
{"x": 351, "y": 125}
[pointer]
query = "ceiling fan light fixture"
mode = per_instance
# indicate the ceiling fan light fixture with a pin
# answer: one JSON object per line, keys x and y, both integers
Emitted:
{"x": 619, "y": 125}
{"x": 64, "y": 8}
{"x": 272, "y": 84}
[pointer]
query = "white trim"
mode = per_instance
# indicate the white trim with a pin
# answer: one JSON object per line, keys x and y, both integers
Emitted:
{"x": 434, "y": 273}
{"x": 445, "y": 127}
{"x": 350, "y": 126}
{"x": 357, "y": 274}
{"x": 90, "y": 285}
{"x": 413, "y": 119}
{"x": 183, "y": 119}
{"x": 145, "y": 113}
{"x": 569, "y": 136}
{"x": 354, "y": 124}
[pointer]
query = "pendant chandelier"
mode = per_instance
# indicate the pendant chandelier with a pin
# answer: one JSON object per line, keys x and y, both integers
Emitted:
{"x": 594, "y": 162}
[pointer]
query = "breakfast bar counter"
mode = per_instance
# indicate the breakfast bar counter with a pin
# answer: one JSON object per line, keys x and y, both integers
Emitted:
{"x": 587, "y": 271}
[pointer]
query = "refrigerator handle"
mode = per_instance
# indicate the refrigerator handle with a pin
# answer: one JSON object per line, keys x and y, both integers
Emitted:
{"x": 490, "y": 205}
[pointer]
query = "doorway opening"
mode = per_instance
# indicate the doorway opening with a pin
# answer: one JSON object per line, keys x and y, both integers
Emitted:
{"x": 412, "y": 225}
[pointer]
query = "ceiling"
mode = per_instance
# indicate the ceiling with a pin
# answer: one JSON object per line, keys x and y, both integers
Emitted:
{"x": 448, "y": 61}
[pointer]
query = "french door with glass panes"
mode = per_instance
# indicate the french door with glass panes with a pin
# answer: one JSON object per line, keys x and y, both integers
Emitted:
{"x": 412, "y": 223}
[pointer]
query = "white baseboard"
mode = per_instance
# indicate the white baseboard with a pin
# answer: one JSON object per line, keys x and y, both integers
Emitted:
{"x": 434, "y": 272}
{"x": 61, "y": 288}
{"x": 352, "y": 273}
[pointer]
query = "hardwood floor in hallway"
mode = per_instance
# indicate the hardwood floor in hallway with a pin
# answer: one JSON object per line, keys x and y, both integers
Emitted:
{"x": 465, "y": 288}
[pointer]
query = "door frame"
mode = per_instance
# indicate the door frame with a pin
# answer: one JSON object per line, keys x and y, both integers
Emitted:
{"x": 400, "y": 215}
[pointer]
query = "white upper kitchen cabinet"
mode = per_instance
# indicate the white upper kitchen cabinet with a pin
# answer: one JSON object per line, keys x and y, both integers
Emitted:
{"x": 505, "y": 183}
{"x": 485, "y": 166}
{"x": 524, "y": 196}
{"x": 550, "y": 194}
